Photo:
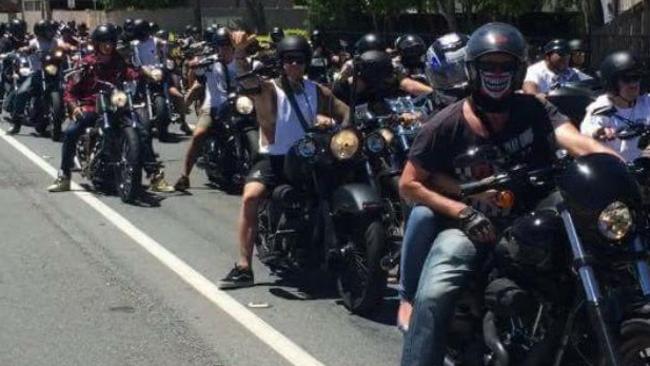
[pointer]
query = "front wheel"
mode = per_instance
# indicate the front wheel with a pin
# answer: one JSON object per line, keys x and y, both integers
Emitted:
{"x": 635, "y": 343}
{"x": 129, "y": 168}
{"x": 56, "y": 114}
{"x": 162, "y": 117}
{"x": 361, "y": 280}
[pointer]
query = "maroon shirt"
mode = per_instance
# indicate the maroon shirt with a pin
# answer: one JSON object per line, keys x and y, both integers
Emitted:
{"x": 82, "y": 92}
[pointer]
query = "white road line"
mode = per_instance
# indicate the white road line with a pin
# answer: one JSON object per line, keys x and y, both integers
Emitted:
{"x": 262, "y": 330}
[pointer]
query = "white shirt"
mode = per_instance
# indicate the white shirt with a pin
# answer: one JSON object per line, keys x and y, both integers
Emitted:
{"x": 546, "y": 79}
{"x": 145, "y": 52}
{"x": 216, "y": 85}
{"x": 40, "y": 48}
{"x": 595, "y": 119}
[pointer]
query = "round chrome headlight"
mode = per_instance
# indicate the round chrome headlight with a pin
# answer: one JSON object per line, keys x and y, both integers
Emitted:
{"x": 344, "y": 144}
{"x": 24, "y": 71}
{"x": 306, "y": 148}
{"x": 51, "y": 69}
{"x": 58, "y": 54}
{"x": 387, "y": 134}
{"x": 119, "y": 99}
{"x": 375, "y": 143}
{"x": 615, "y": 221}
{"x": 244, "y": 105}
{"x": 169, "y": 64}
{"x": 157, "y": 74}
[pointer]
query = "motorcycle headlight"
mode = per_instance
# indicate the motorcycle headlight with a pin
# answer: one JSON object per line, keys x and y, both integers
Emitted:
{"x": 24, "y": 71}
{"x": 58, "y": 54}
{"x": 306, "y": 148}
{"x": 51, "y": 69}
{"x": 344, "y": 144}
{"x": 615, "y": 221}
{"x": 375, "y": 143}
{"x": 244, "y": 105}
{"x": 387, "y": 134}
{"x": 170, "y": 65}
{"x": 157, "y": 74}
{"x": 119, "y": 99}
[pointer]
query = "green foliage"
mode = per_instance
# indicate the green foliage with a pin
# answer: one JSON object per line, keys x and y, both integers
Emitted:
{"x": 141, "y": 4}
{"x": 265, "y": 39}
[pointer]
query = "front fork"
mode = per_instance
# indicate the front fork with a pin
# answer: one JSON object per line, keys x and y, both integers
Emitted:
{"x": 591, "y": 290}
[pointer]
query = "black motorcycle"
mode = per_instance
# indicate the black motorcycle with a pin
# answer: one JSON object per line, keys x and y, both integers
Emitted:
{"x": 110, "y": 154}
{"x": 568, "y": 283}
{"x": 326, "y": 216}
{"x": 156, "y": 97}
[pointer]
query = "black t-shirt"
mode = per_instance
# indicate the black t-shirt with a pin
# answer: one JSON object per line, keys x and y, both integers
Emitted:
{"x": 526, "y": 139}
{"x": 342, "y": 89}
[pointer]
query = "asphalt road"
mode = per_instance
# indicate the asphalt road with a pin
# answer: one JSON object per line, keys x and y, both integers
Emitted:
{"x": 77, "y": 289}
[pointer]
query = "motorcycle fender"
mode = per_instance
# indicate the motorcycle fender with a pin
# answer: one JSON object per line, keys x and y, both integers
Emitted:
{"x": 355, "y": 199}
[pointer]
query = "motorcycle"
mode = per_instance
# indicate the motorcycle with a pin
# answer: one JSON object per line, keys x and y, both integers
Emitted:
{"x": 327, "y": 217}
{"x": 52, "y": 90}
{"x": 568, "y": 283}
{"x": 110, "y": 154}
{"x": 156, "y": 97}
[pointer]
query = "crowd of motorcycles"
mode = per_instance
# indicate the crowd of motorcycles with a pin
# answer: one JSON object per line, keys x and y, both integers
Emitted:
{"x": 569, "y": 287}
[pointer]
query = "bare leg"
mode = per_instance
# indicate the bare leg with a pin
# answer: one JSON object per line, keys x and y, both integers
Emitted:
{"x": 253, "y": 193}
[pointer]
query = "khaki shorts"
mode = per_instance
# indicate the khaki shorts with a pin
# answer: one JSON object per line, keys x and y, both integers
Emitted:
{"x": 205, "y": 119}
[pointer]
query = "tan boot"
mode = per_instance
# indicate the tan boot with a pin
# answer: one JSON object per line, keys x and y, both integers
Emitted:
{"x": 61, "y": 184}
{"x": 159, "y": 184}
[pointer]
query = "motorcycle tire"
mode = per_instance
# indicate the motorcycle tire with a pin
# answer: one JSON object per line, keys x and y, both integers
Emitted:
{"x": 162, "y": 116}
{"x": 635, "y": 343}
{"x": 57, "y": 115}
{"x": 361, "y": 281}
{"x": 129, "y": 174}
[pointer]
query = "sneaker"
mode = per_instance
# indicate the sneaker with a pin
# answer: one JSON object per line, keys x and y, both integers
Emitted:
{"x": 61, "y": 184}
{"x": 14, "y": 129}
{"x": 182, "y": 184}
{"x": 237, "y": 278}
{"x": 159, "y": 184}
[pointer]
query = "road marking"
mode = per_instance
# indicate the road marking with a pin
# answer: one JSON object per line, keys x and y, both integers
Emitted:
{"x": 262, "y": 330}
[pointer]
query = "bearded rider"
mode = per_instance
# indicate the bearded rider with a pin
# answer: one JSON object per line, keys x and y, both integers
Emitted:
{"x": 280, "y": 127}
{"x": 527, "y": 130}
{"x": 80, "y": 97}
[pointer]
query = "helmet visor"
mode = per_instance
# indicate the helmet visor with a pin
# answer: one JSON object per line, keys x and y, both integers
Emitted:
{"x": 448, "y": 73}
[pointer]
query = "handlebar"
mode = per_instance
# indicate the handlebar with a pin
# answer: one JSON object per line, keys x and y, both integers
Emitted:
{"x": 516, "y": 177}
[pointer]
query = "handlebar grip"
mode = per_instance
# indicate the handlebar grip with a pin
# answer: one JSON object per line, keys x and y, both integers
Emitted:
{"x": 468, "y": 189}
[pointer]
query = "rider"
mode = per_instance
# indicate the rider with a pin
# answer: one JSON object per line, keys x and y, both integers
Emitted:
{"x": 37, "y": 48}
{"x": 579, "y": 53}
{"x": 369, "y": 42}
{"x": 107, "y": 65}
{"x": 623, "y": 105}
{"x": 445, "y": 69}
{"x": 276, "y": 36}
{"x": 411, "y": 50}
{"x": 280, "y": 127}
{"x": 553, "y": 70}
{"x": 523, "y": 126}
{"x": 321, "y": 59}
{"x": 12, "y": 41}
{"x": 220, "y": 80}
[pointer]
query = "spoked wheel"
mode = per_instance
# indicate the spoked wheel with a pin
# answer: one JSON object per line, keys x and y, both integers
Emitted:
{"x": 129, "y": 175}
{"x": 361, "y": 280}
{"x": 635, "y": 342}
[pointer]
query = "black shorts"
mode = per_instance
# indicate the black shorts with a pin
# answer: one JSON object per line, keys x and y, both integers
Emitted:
{"x": 268, "y": 170}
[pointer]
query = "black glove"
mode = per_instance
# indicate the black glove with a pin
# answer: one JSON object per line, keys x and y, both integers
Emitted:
{"x": 476, "y": 226}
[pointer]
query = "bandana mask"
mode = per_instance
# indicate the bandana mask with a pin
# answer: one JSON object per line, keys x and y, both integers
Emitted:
{"x": 495, "y": 85}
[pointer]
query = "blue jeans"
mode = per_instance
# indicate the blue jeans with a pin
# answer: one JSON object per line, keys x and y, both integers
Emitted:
{"x": 447, "y": 270}
{"x": 70, "y": 138}
{"x": 421, "y": 231}
{"x": 29, "y": 88}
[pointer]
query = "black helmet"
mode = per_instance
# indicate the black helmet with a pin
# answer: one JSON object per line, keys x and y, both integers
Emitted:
{"x": 188, "y": 29}
{"x": 153, "y": 27}
{"x": 104, "y": 33}
{"x": 140, "y": 28}
{"x": 163, "y": 34}
{"x": 410, "y": 45}
{"x": 374, "y": 66}
{"x": 560, "y": 46}
{"x": 316, "y": 38}
{"x": 277, "y": 34}
{"x": 445, "y": 63}
{"x": 18, "y": 28}
{"x": 195, "y": 30}
{"x": 44, "y": 28}
{"x": 370, "y": 41}
{"x": 294, "y": 44}
{"x": 577, "y": 45}
{"x": 208, "y": 33}
{"x": 221, "y": 37}
{"x": 615, "y": 65}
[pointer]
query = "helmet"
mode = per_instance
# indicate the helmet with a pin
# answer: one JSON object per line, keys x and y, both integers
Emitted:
{"x": 374, "y": 67}
{"x": 188, "y": 29}
{"x": 140, "y": 28}
{"x": 489, "y": 39}
{"x": 104, "y": 33}
{"x": 316, "y": 38}
{"x": 445, "y": 62}
{"x": 195, "y": 30}
{"x": 18, "y": 28}
{"x": 577, "y": 45}
{"x": 153, "y": 27}
{"x": 66, "y": 30}
{"x": 616, "y": 64}
{"x": 560, "y": 46}
{"x": 410, "y": 45}
{"x": 294, "y": 44}
{"x": 208, "y": 33}
{"x": 277, "y": 34}
{"x": 163, "y": 34}
{"x": 370, "y": 41}
{"x": 221, "y": 37}
{"x": 44, "y": 29}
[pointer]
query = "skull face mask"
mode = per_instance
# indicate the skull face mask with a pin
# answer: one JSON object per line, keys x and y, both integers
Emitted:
{"x": 496, "y": 85}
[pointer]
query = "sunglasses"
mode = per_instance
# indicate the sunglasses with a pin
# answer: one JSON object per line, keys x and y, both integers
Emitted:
{"x": 299, "y": 60}
{"x": 490, "y": 66}
{"x": 630, "y": 78}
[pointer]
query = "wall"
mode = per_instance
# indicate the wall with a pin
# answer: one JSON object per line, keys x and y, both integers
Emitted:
{"x": 286, "y": 18}
{"x": 629, "y": 30}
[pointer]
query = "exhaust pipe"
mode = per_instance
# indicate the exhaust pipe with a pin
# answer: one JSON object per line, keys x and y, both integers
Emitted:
{"x": 492, "y": 340}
